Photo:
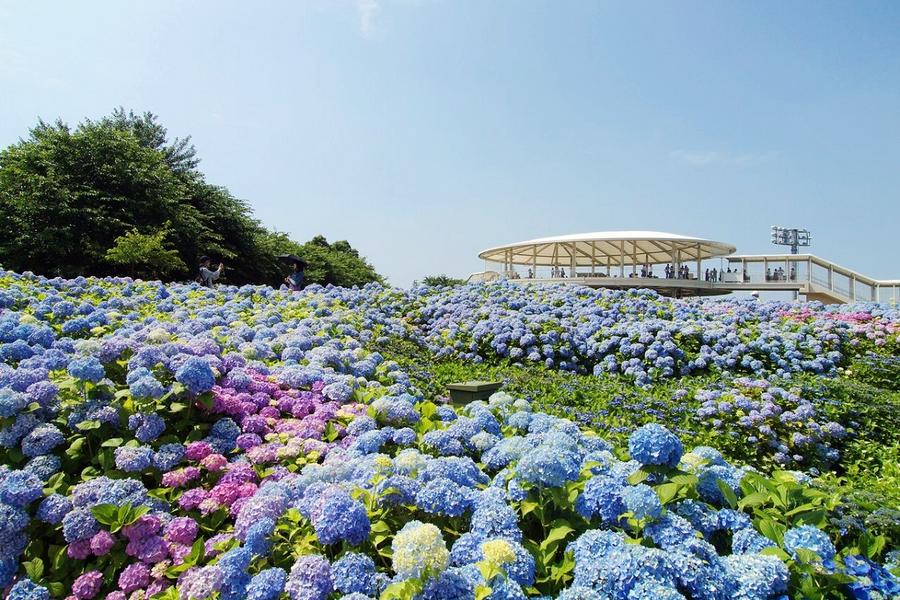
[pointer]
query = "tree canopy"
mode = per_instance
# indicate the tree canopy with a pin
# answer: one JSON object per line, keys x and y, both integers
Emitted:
{"x": 441, "y": 280}
{"x": 89, "y": 200}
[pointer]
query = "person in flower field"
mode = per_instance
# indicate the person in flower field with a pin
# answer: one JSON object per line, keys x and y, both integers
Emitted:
{"x": 207, "y": 276}
{"x": 295, "y": 280}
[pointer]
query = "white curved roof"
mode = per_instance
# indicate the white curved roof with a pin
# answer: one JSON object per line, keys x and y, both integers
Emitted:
{"x": 608, "y": 248}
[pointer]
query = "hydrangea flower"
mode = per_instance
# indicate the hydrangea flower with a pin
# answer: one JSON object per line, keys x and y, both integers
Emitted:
{"x": 810, "y": 538}
{"x": 267, "y": 584}
{"x": 418, "y": 548}
{"x": 87, "y": 585}
{"x": 355, "y": 573}
{"x": 653, "y": 444}
{"x": 310, "y": 579}
{"x": 196, "y": 375}
{"x": 87, "y": 369}
{"x": 642, "y": 501}
{"x": 336, "y": 516}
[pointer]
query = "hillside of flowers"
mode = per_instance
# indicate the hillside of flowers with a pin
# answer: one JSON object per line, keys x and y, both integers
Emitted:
{"x": 173, "y": 441}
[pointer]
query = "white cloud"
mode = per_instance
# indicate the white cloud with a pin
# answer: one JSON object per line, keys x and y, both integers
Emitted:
{"x": 714, "y": 158}
{"x": 368, "y": 11}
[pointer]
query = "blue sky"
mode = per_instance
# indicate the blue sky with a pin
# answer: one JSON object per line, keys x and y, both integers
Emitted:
{"x": 424, "y": 131}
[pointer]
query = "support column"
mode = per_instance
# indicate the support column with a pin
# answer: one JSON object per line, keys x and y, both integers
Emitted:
{"x": 698, "y": 262}
{"x": 622, "y": 259}
{"x": 534, "y": 261}
{"x": 674, "y": 252}
{"x": 572, "y": 252}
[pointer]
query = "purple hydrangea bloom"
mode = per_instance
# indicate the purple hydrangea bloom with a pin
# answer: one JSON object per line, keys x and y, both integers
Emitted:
{"x": 310, "y": 579}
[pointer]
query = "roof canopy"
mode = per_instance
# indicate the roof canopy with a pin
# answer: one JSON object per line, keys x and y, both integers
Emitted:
{"x": 608, "y": 248}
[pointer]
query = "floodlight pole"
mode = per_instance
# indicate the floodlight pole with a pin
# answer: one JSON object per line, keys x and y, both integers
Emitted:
{"x": 792, "y": 237}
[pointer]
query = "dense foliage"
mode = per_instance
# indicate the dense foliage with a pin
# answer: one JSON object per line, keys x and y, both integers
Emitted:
{"x": 441, "y": 280}
{"x": 244, "y": 442}
{"x": 67, "y": 195}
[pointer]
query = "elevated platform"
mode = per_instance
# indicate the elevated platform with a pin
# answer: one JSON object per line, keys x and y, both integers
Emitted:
{"x": 696, "y": 267}
{"x": 807, "y": 275}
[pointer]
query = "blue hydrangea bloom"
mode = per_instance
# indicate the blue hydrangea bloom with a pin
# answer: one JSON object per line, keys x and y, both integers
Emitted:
{"x": 168, "y": 456}
{"x": 442, "y": 496}
{"x": 810, "y": 538}
{"x": 601, "y": 496}
{"x": 267, "y": 584}
{"x": 42, "y": 440}
{"x": 25, "y": 589}
{"x": 146, "y": 427}
{"x": 708, "y": 486}
{"x": 43, "y": 466}
{"x": 449, "y": 585}
{"x": 79, "y": 524}
{"x": 134, "y": 459}
{"x": 196, "y": 375}
{"x": 87, "y": 369}
{"x": 257, "y": 539}
{"x": 336, "y": 516}
{"x": 354, "y": 573}
{"x": 53, "y": 508}
{"x": 757, "y": 575}
{"x": 748, "y": 541}
{"x": 11, "y": 402}
{"x": 146, "y": 387}
{"x": 496, "y": 520}
{"x": 642, "y": 501}
{"x": 20, "y": 488}
{"x": 549, "y": 466}
{"x": 653, "y": 444}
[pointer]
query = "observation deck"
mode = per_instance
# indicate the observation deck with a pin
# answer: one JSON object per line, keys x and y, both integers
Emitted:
{"x": 679, "y": 266}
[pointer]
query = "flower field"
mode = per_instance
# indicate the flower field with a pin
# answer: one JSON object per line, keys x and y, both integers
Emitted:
{"x": 174, "y": 441}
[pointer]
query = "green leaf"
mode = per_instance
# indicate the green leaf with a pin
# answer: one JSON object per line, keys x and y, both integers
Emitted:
{"x": 105, "y": 513}
{"x": 772, "y": 551}
{"x": 88, "y": 425}
{"x": 557, "y": 534}
{"x": 34, "y": 568}
{"x": 638, "y": 476}
{"x": 667, "y": 492}
{"x": 753, "y": 499}
{"x": 206, "y": 401}
{"x": 527, "y": 506}
{"x": 807, "y": 556}
{"x": 112, "y": 443}
{"x": 122, "y": 514}
{"x": 772, "y": 530}
{"x": 684, "y": 479}
{"x": 74, "y": 449}
{"x": 729, "y": 494}
{"x": 381, "y": 527}
{"x": 482, "y": 592}
{"x": 57, "y": 557}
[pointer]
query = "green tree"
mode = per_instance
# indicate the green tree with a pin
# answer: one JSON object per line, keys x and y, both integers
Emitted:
{"x": 145, "y": 254}
{"x": 441, "y": 280}
{"x": 66, "y": 194}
